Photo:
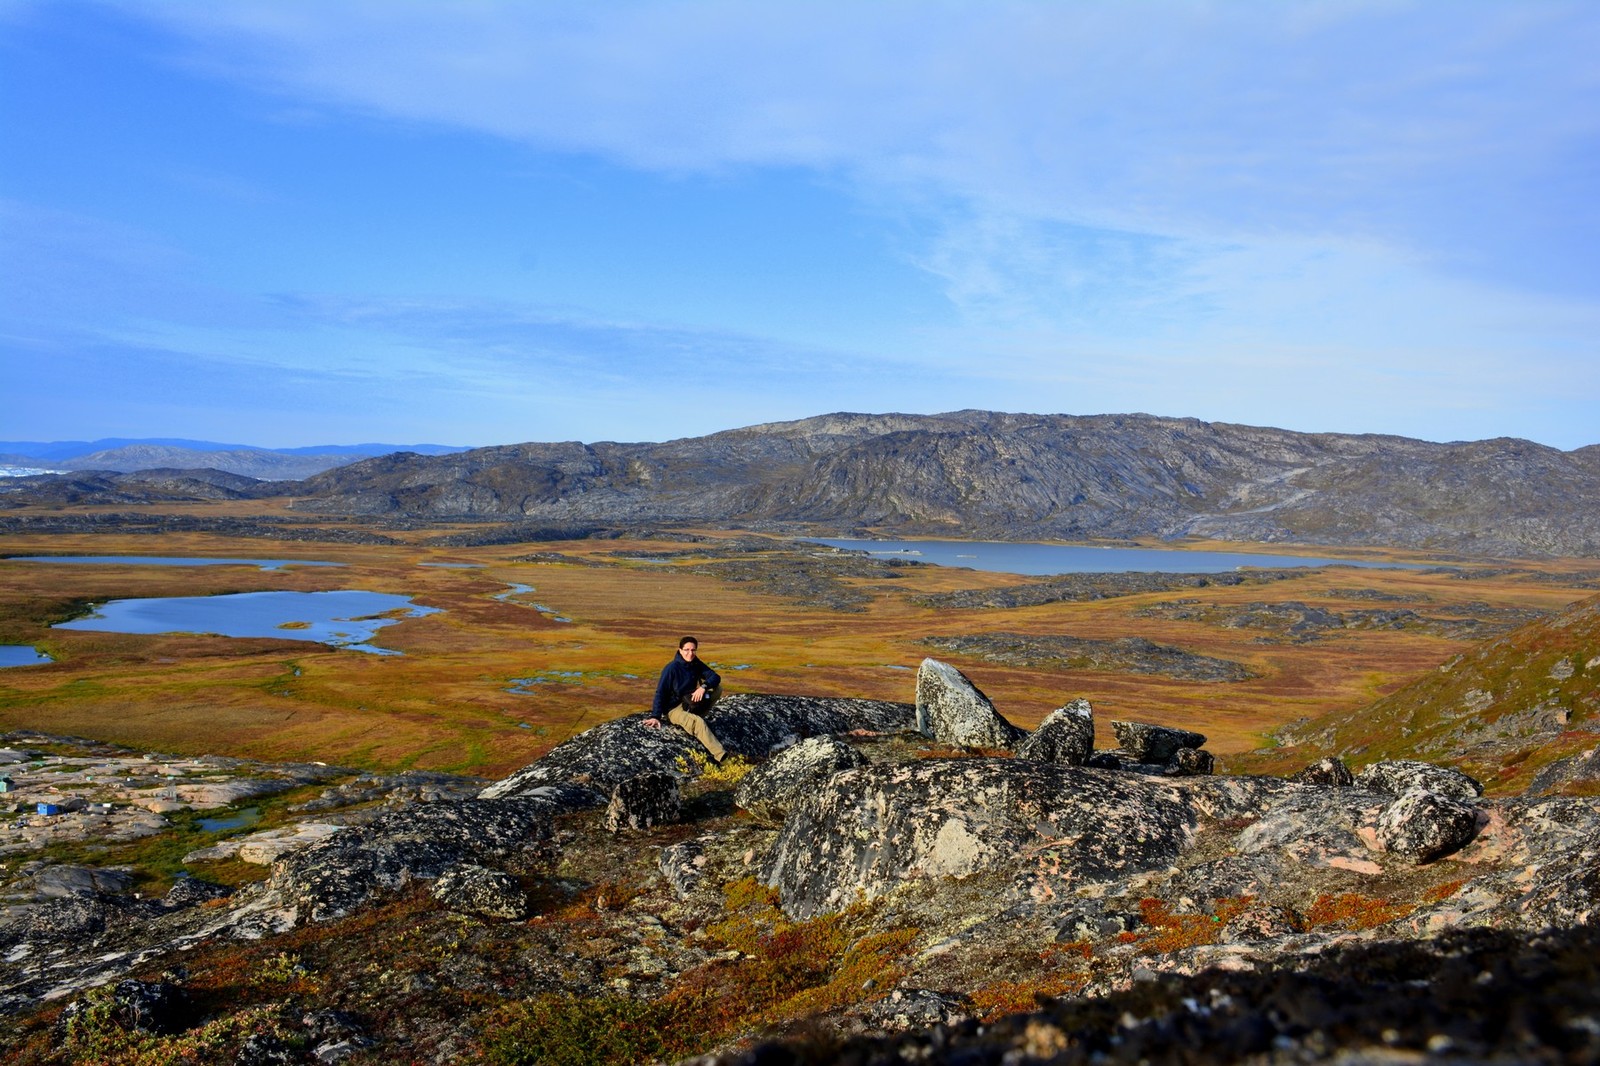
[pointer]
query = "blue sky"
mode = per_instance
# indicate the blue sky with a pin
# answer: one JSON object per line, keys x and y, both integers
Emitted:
{"x": 332, "y": 221}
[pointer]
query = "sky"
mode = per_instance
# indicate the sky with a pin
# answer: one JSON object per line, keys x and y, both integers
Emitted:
{"x": 296, "y": 222}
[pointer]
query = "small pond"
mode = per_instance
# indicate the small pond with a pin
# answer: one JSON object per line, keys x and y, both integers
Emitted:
{"x": 167, "y": 560}
{"x": 343, "y": 619}
{"x": 1038, "y": 560}
{"x": 22, "y": 655}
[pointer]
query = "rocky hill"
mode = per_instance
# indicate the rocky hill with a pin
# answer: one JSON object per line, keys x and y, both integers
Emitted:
{"x": 128, "y": 456}
{"x": 1011, "y": 476}
{"x": 1519, "y": 711}
{"x": 863, "y": 881}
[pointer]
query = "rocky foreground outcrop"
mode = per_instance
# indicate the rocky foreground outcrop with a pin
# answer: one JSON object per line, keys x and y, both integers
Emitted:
{"x": 972, "y": 845}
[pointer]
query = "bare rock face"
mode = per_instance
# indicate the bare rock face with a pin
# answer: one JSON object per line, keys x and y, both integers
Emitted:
{"x": 472, "y": 889}
{"x": 1424, "y": 826}
{"x": 1566, "y": 773}
{"x": 1399, "y": 776}
{"x": 1049, "y": 828}
{"x": 646, "y": 800}
{"x": 950, "y": 708}
{"x": 1066, "y": 736}
{"x": 1146, "y": 743}
{"x": 1329, "y": 773}
{"x": 771, "y": 789}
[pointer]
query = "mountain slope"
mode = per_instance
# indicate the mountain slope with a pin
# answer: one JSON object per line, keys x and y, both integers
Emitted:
{"x": 985, "y": 474}
{"x": 1505, "y": 710}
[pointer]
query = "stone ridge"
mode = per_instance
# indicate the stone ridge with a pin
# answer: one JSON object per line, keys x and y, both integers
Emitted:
{"x": 1014, "y": 476}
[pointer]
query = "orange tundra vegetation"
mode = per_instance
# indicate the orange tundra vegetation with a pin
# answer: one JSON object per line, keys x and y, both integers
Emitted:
{"x": 500, "y": 676}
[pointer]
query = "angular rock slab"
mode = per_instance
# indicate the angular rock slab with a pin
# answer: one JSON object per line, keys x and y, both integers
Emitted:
{"x": 1066, "y": 736}
{"x": 646, "y": 800}
{"x": 770, "y": 790}
{"x": 1424, "y": 826}
{"x": 950, "y": 708}
{"x": 1146, "y": 743}
{"x": 1052, "y": 828}
{"x": 1396, "y": 777}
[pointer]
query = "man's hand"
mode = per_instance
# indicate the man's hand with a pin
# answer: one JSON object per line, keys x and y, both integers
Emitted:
{"x": 652, "y": 723}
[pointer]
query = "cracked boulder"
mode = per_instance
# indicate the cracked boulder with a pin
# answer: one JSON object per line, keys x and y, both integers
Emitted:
{"x": 1423, "y": 826}
{"x": 1396, "y": 777}
{"x": 771, "y": 789}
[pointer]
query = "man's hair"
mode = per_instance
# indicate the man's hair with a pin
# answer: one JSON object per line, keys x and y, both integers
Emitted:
{"x": 687, "y": 640}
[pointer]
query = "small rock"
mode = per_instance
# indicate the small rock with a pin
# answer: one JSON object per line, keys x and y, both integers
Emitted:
{"x": 1191, "y": 762}
{"x": 1329, "y": 773}
{"x": 1154, "y": 743}
{"x": 683, "y": 865}
{"x": 1065, "y": 736}
{"x": 189, "y": 891}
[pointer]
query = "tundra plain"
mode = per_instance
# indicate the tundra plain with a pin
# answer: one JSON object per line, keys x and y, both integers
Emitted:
{"x": 497, "y": 679}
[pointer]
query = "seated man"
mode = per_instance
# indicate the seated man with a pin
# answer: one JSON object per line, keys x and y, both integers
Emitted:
{"x": 687, "y": 689}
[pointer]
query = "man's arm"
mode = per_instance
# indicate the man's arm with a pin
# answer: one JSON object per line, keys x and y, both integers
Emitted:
{"x": 665, "y": 694}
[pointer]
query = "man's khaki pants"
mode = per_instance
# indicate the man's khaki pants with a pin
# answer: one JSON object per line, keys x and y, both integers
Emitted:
{"x": 687, "y": 720}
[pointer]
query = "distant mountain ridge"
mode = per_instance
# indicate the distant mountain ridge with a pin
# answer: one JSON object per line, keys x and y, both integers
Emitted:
{"x": 982, "y": 474}
{"x": 123, "y": 455}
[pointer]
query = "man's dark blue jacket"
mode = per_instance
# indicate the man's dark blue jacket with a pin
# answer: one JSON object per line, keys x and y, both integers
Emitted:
{"x": 678, "y": 681}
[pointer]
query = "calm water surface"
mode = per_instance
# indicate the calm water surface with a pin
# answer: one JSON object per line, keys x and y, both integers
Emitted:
{"x": 343, "y": 619}
{"x": 22, "y": 655}
{"x": 1044, "y": 559}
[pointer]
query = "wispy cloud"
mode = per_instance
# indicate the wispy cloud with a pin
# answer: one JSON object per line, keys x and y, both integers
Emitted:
{"x": 1381, "y": 213}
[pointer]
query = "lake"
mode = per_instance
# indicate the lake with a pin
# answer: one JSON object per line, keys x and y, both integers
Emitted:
{"x": 1039, "y": 560}
{"x": 342, "y": 619}
{"x": 22, "y": 655}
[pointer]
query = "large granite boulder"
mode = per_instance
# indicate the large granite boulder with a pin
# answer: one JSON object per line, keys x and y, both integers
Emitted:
{"x": 771, "y": 789}
{"x": 331, "y": 879}
{"x": 1066, "y": 736}
{"x": 1049, "y": 828}
{"x": 950, "y": 708}
{"x": 1424, "y": 826}
{"x": 1396, "y": 777}
{"x": 1146, "y": 743}
{"x": 747, "y": 724}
